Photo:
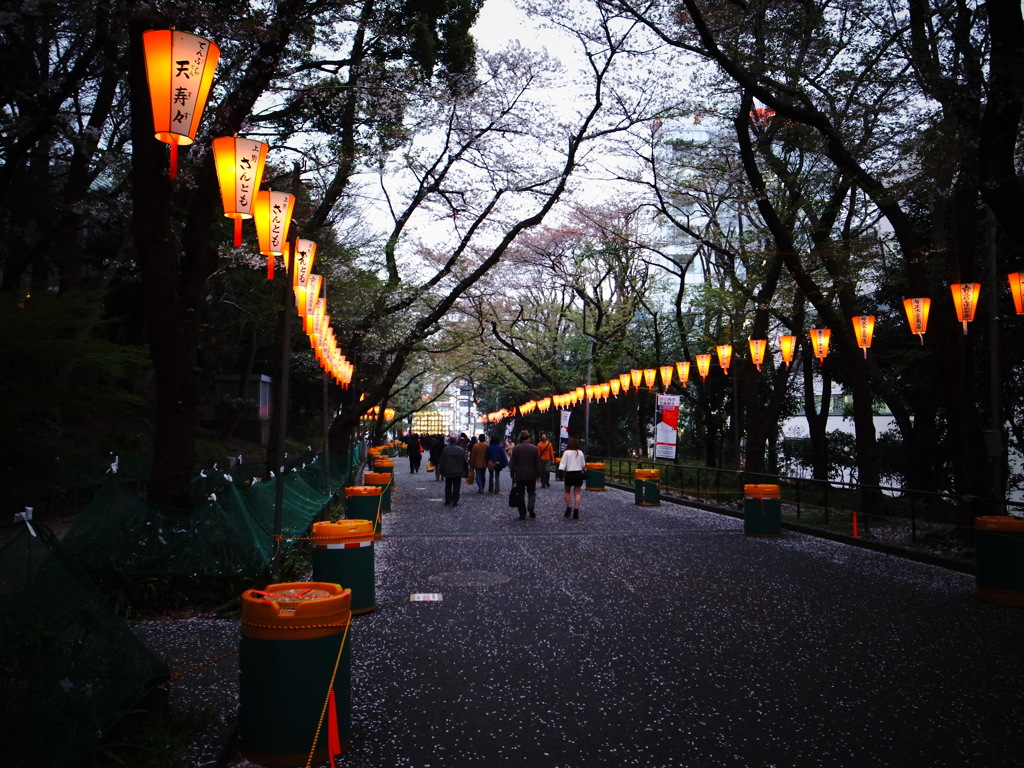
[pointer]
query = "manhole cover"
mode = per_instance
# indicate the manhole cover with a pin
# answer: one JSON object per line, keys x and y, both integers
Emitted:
{"x": 469, "y": 578}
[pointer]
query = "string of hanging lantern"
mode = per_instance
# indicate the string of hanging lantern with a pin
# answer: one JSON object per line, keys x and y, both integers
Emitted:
{"x": 965, "y": 298}
{"x": 179, "y": 72}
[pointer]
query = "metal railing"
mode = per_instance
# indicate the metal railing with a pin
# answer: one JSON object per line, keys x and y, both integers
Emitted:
{"x": 941, "y": 520}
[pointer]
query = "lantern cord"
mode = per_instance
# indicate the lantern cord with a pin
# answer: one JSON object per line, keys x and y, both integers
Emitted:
{"x": 238, "y": 231}
{"x": 173, "y": 172}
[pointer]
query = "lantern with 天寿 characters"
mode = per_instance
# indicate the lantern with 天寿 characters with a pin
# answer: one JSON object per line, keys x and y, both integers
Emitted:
{"x": 273, "y": 213}
{"x": 787, "y": 344}
{"x": 650, "y": 374}
{"x": 239, "y": 164}
{"x": 819, "y": 342}
{"x": 683, "y": 373}
{"x": 179, "y": 71}
{"x": 917, "y": 315}
{"x": 636, "y": 375}
{"x": 965, "y": 299}
{"x": 724, "y": 357}
{"x": 863, "y": 329}
{"x": 757, "y": 348}
{"x": 703, "y": 366}
{"x": 624, "y": 380}
{"x": 614, "y": 385}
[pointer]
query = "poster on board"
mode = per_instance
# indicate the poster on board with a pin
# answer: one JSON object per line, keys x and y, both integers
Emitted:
{"x": 666, "y": 417}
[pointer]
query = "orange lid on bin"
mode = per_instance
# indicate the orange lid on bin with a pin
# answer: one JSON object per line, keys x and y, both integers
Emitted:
{"x": 595, "y": 465}
{"x": 383, "y": 463}
{"x": 647, "y": 474}
{"x": 341, "y": 531}
{"x": 303, "y": 609}
{"x": 1002, "y": 523}
{"x": 363, "y": 490}
{"x": 761, "y": 491}
{"x": 377, "y": 477}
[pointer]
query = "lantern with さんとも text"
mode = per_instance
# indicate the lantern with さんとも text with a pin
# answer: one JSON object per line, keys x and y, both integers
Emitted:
{"x": 239, "y": 164}
{"x": 179, "y": 71}
{"x": 273, "y": 213}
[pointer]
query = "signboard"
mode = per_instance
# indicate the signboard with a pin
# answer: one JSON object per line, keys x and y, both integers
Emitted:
{"x": 666, "y": 417}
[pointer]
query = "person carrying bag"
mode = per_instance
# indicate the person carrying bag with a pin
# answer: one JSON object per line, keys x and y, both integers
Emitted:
{"x": 573, "y": 465}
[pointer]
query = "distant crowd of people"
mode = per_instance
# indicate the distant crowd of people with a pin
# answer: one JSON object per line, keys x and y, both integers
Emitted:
{"x": 480, "y": 460}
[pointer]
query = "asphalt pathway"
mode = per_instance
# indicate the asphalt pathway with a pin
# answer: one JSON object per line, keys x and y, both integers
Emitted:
{"x": 664, "y": 636}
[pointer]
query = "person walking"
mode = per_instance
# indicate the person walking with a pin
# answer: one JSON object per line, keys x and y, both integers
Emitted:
{"x": 524, "y": 468}
{"x": 434, "y": 456}
{"x": 478, "y": 461}
{"x": 572, "y": 465}
{"x": 454, "y": 465}
{"x": 497, "y": 460}
{"x": 547, "y": 455}
{"x": 414, "y": 448}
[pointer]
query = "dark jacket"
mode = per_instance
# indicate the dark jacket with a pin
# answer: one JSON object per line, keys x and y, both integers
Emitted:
{"x": 524, "y": 464}
{"x": 496, "y": 453}
{"x": 453, "y": 461}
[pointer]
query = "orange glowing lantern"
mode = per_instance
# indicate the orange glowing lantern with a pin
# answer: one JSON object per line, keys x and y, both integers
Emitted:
{"x": 624, "y": 380}
{"x": 917, "y": 315}
{"x": 819, "y": 340}
{"x": 606, "y": 390}
{"x": 863, "y": 329}
{"x": 757, "y": 348}
{"x": 666, "y": 376}
{"x": 636, "y": 375}
{"x": 965, "y": 298}
{"x": 313, "y": 285}
{"x": 179, "y": 70}
{"x": 580, "y": 394}
{"x": 650, "y": 374}
{"x": 703, "y": 366}
{"x": 614, "y": 386}
{"x": 786, "y": 346}
{"x": 1018, "y": 294}
{"x": 724, "y": 356}
{"x": 305, "y": 253}
{"x": 273, "y": 213}
{"x": 543, "y": 404}
{"x": 239, "y": 165}
{"x": 683, "y": 372}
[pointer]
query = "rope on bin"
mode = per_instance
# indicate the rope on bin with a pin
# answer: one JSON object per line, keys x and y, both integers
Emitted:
{"x": 327, "y": 700}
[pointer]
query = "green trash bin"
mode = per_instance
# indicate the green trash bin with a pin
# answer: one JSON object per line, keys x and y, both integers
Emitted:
{"x": 595, "y": 476}
{"x": 343, "y": 554}
{"x": 385, "y": 480}
{"x": 294, "y": 649}
{"x": 999, "y": 559}
{"x": 363, "y": 502}
{"x": 646, "y": 491}
{"x": 762, "y": 510}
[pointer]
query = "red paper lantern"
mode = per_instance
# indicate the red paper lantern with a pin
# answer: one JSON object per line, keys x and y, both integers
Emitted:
{"x": 786, "y": 346}
{"x": 239, "y": 165}
{"x": 819, "y": 340}
{"x": 683, "y": 372}
{"x": 965, "y": 299}
{"x": 273, "y": 213}
{"x": 179, "y": 70}
{"x": 863, "y": 329}
{"x": 703, "y": 366}
{"x": 917, "y": 315}
{"x": 724, "y": 356}
{"x": 757, "y": 348}
{"x": 1017, "y": 291}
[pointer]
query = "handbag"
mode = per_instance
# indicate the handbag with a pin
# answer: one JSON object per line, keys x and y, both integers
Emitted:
{"x": 515, "y": 495}
{"x": 559, "y": 474}
{"x": 430, "y": 466}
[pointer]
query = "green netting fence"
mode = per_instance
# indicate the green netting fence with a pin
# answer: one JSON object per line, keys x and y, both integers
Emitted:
{"x": 69, "y": 664}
